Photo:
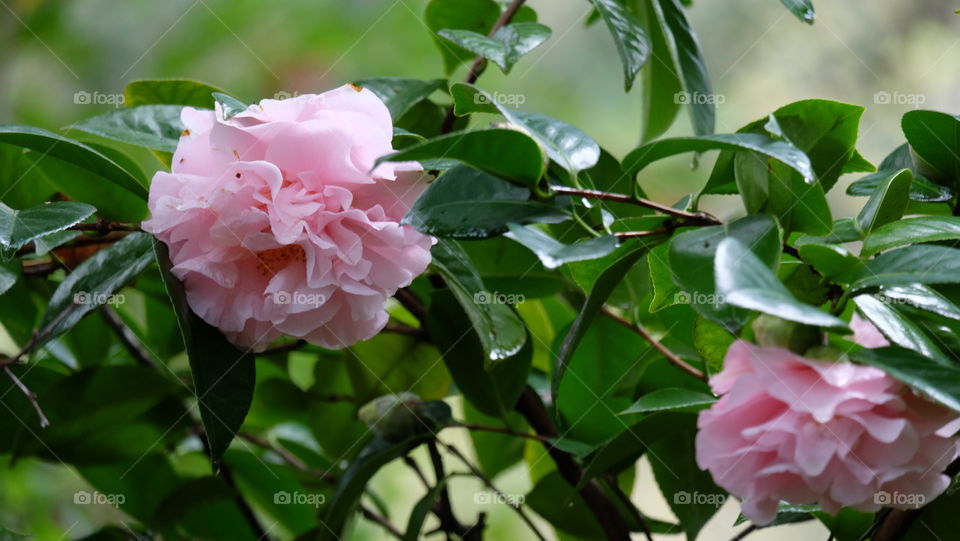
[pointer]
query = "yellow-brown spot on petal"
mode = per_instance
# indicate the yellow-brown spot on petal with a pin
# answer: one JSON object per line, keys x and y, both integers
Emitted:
{"x": 270, "y": 262}
{"x": 355, "y": 87}
{"x": 236, "y": 154}
{"x": 184, "y": 133}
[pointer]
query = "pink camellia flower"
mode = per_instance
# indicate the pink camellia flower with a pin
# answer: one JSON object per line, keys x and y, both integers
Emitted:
{"x": 866, "y": 334}
{"x": 277, "y": 222}
{"x": 792, "y": 429}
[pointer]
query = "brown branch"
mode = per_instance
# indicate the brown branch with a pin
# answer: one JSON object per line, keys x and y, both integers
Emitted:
{"x": 479, "y": 62}
{"x": 381, "y": 521}
{"x": 127, "y": 337}
{"x": 489, "y": 484}
{"x": 691, "y": 218}
{"x": 403, "y": 328}
{"x": 288, "y": 457}
{"x": 530, "y": 406}
{"x": 83, "y": 240}
{"x": 444, "y": 509}
{"x": 671, "y": 357}
{"x": 409, "y": 300}
{"x": 31, "y": 396}
{"x": 101, "y": 226}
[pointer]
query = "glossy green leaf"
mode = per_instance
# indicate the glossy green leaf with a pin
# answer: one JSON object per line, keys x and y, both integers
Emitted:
{"x": 400, "y": 94}
{"x": 474, "y": 15}
{"x": 169, "y": 92}
{"x": 229, "y": 105}
{"x": 95, "y": 281}
{"x": 898, "y": 329}
{"x": 935, "y": 137}
{"x": 628, "y": 37}
{"x": 829, "y": 259}
{"x": 661, "y": 76}
{"x": 18, "y": 227}
{"x": 661, "y": 279}
{"x": 671, "y": 399}
{"x": 801, "y": 9}
{"x": 911, "y": 231}
{"x": 505, "y": 153}
{"x": 564, "y": 144}
{"x": 938, "y": 381}
{"x": 555, "y": 500}
{"x": 507, "y": 45}
{"x": 712, "y": 342}
{"x": 156, "y": 127}
{"x": 223, "y": 377}
{"x": 753, "y": 180}
{"x": 501, "y": 331}
{"x": 420, "y": 511}
{"x": 921, "y": 189}
{"x": 605, "y": 275}
{"x": 553, "y": 253}
{"x": 690, "y": 492}
{"x": 376, "y": 454}
{"x": 922, "y": 297}
{"x": 745, "y": 281}
{"x": 74, "y": 152}
{"x": 9, "y": 274}
{"x": 780, "y": 150}
{"x": 698, "y": 92}
{"x": 918, "y": 264}
{"x": 465, "y": 203}
{"x": 887, "y": 203}
{"x": 691, "y": 258}
{"x": 492, "y": 390}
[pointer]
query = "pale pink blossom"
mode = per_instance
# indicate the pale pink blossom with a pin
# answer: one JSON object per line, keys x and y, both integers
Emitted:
{"x": 278, "y": 223}
{"x": 792, "y": 429}
{"x": 866, "y": 334}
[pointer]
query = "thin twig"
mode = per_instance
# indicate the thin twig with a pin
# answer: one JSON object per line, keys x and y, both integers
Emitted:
{"x": 101, "y": 226}
{"x": 650, "y": 233}
{"x": 288, "y": 457}
{"x": 693, "y": 218}
{"x": 444, "y": 509}
{"x": 412, "y": 464}
{"x": 501, "y": 430}
{"x": 127, "y": 338}
{"x": 31, "y": 396}
{"x": 671, "y": 357}
{"x": 381, "y": 521}
{"x": 489, "y": 484}
{"x": 479, "y": 62}
{"x": 403, "y": 328}
{"x": 409, "y": 300}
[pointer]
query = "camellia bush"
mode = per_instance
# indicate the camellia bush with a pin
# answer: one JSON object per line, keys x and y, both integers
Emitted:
{"x": 304, "y": 290}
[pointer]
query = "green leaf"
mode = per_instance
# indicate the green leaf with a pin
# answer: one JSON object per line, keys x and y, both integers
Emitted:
{"x": 661, "y": 79}
{"x": 604, "y": 278}
{"x": 782, "y": 151}
{"x": 95, "y": 281}
{"x": 495, "y": 452}
{"x": 229, "y": 105}
{"x": 566, "y": 145}
{"x": 690, "y": 491}
{"x": 505, "y": 153}
{"x": 9, "y": 274}
{"x": 935, "y": 137}
{"x": 829, "y": 259}
{"x": 801, "y": 9}
{"x": 692, "y": 255}
{"x": 420, "y": 511}
{"x": 169, "y": 92}
{"x": 553, "y": 253}
{"x": 18, "y": 227}
{"x": 918, "y": 264}
{"x": 475, "y": 15}
{"x": 157, "y": 127}
{"x": 465, "y": 203}
{"x": 400, "y": 94}
{"x": 711, "y": 341}
{"x": 562, "y": 506}
{"x": 887, "y": 203}
{"x": 938, "y": 381}
{"x": 74, "y": 152}
{"x": 696, "y": 80}
{"x": 921, "y": 189}
{"x": 753, "y": 180}
{"x": 223, "y": 377}
{"x": 492, "y": 390}
{"x": 923, "y": 297}
{"x": 623, "y": 451}
{"x": 269, "y": 488}
{"x": 671, "y": 399}
{"x": 911, "y": 231}
{"x": 628, "y": 36}
{"x": 661, "y": 279}
{"x": 899, "y": 329}
{"x": 745, "y": 281}
{"x": 376, "y": 454}
{"x": 507, "y": 45}
{"x": 501, "y": 331}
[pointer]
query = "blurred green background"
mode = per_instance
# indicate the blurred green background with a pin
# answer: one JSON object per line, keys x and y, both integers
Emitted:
{"x": 758, "y": 55}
